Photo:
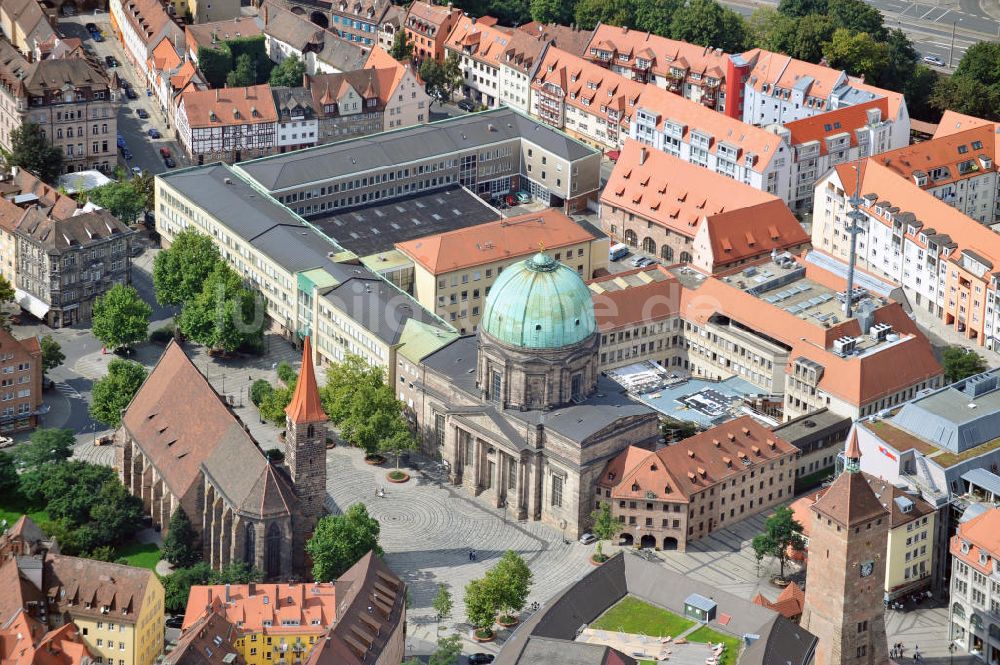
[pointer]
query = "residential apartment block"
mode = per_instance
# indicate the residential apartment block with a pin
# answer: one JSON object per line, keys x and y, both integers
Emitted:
{"x": 140, "y": 26}
{"x": 30, "y": 26}
{"x": 428, "y": 26}
{"x": 943, "y": 259}
{"x": 673, "y": 496}
{"x": 699, "y": 73}
{"x": 358, "y": 21}
{"x": 21, "y": 399}
{"x": 681, "y": 212}
{"x": 975, "y": 594}
{"x": 72, "y": 101}
{"x": 909, "y": 557}
{"x": 453, "y": 271}
{"x": 227, "y": 124}
{"x": 60, "y": 256}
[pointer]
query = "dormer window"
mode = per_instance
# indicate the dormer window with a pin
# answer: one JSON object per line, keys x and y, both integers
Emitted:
{"x": 635, "y": 487}
{"x": 965, "y": 547}
{"x": 983, "y": 559}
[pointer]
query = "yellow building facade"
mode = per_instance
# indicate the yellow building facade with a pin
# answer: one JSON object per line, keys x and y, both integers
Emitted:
{"x": 911, "y": 553}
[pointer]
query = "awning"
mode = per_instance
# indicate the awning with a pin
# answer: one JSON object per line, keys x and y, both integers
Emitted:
{"x": 31, "y": 303}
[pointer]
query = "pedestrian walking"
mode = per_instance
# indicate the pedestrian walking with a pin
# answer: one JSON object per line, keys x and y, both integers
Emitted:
{"x": 470, "y": 555}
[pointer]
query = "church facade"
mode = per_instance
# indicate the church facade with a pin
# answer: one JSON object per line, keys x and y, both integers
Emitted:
{"x": 519, "y": 411}
{"x": 180, "y": 446}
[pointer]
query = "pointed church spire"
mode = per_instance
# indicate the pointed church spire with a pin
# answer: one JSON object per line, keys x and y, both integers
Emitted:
{"x": 852, "y": 456}
{"x": 305, "y": 406}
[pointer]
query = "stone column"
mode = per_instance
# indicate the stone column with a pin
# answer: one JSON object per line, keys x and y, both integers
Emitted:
{"x": 147, "y": 488}
{"x": 226, "y": 553}
{"x": 500, "y": 482}
{"x": 165, "y": 513}
{"x": 135, "y": 478}
{"x": 470, "y": 472}
{"x": 538, "y": 478}
{"x": 452, "y": 452}
{"x": 216, "y": 530}
{"x": 156, "y": 500}
{"x": 239, "y": 539}
{"x": 522, "y": 488}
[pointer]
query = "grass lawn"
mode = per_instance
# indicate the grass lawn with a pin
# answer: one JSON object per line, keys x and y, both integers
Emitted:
{"x": 632, "y": 615}
{"x": 141, "y": 555}
{"x": 13, "y": 507}
{"x": 706, "y": 634}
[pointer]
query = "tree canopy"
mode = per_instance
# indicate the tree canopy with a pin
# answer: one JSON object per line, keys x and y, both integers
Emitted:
{"x": 52, "y": 355}
{"x": 178, "y": 546}
{"x": 290, "y": 71}
{"x": 959, "y": 363}
{"x": 782, "y": 533}
{"x": 30, "y": 149}
{"x": 46, "y": 446}
{"x": 180, "y": 271}
{"x": 243, "y": 74}
{"x": 707, "y": 23}
{"x": 123, "y": 199}
{"x": 112, "y": 393}
{"x": 974, "y": 86}
{"x": 402, "y": 47}
{"x": 605, "y": 527}
{"x": 120, "y": 317}
{"x": 226, "y": 315}
{"x": 340, "y": 541}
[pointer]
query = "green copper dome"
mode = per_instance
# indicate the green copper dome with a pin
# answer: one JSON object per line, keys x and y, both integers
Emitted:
{"x": 539, "y": 304}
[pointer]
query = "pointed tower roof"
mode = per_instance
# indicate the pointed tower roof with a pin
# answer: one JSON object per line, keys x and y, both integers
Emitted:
{"x": 305, "y": 406}
{"x": 850, "y": 499}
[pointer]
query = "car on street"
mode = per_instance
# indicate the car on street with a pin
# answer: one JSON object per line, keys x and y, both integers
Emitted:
{"x": 92, "y": 27}
{"x": 126, "y": 154}
{"x": 169, "y": 162}
{"x": 136, "y": 170}
{"x": 164, "y": 153}
{"x": 637, "y": 261}
{"x": 175, "y": 621}
{"x": 154, "y": 133}
{"x": 588, "y": 539}
{"x": 6, "y": 442}
{"x": 466, "y": 104}
{"x": 131, "y": 93}
{"x": 110, "y": 61}
{"x": 523, "y": 197}
{"x": 96, "y": 36}
{"x": 480, "y": 659}
{"x": 142, "y": 113}
{"x": 933, "y": 60}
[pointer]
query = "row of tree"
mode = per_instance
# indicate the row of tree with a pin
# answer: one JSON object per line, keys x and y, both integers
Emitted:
{"x": 218, "y": 309}
{"x": 90, "y": 512}
{"x": 499, "y": 595}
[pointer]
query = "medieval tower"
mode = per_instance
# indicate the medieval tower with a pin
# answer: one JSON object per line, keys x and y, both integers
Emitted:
{"x": 845, "y": 578}
{"x": 305, "y": 443}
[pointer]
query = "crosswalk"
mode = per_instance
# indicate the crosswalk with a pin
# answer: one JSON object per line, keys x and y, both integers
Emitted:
{"x": 68, "y": 390}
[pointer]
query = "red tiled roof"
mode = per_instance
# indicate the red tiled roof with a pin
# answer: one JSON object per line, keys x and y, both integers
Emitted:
{"x": 305, "y": 406}
{"x": 846, "y": 120}
{"x": 229, "y": 106}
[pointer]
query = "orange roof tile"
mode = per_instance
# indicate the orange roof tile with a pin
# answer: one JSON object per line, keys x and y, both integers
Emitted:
{"x": 845, "y": 120}
{"x": 946, "y": 153}
{"x": 677, "y": 472}
{"x": 642, "y": 303}
{"x": 305, "y": 406}
{"x": 660, "y": 51}
{"x": 486, "y": 43}
{"x": 224, "y": 106}
{"x": 165, "y": 56}
{"x": 783, "y": 71}
{"x": 953, "y": 122}
{"x": 896, "y": 100}
{"x": 307, "y": 608}
{"x": 495, "y": 241}
{"x": 982, "y": 533}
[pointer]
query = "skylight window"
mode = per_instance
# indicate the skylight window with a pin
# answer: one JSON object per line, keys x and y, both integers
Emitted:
{"x": 962, "y": 149}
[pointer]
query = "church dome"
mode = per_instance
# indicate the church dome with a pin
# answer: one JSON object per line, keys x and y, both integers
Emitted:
{"x": 539, "y": 304}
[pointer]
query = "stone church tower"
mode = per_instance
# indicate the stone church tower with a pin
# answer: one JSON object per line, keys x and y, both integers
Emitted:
{"x": 305, "y": 443}
{"x": 845, "y": 578}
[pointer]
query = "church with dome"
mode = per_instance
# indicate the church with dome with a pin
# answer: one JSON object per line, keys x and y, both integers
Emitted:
{"x": 519, "y": 410}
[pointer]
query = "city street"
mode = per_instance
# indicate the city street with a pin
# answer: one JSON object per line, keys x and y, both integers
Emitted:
{"x": 145, "y": 150}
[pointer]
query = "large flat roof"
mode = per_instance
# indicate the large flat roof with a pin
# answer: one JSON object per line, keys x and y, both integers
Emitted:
{"x": 409, "y": 144}
{"x": 376, "y": 227}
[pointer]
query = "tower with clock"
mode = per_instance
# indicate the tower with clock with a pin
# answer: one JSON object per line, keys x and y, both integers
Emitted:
{"x": 845, "y": 578}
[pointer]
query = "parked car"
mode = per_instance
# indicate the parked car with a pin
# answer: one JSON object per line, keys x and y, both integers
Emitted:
{"x": 136, "y": 170}
{"x": 466, "y": 104}
{"x": 105, "y": 440}
{"x": 164, "y": 152}
{"x": 933, "y": 60}
{"x": 480, "y": 659}
{"x": 6, "y": 442}
{"x": 126, "y": 154}
{"x": 169, "y": 162}
{"x": 523, "y": 197}
{"x": 142, "y": 113}
{"x": 131, "y": 93}
{"x": 110, "y": 61}
{"x": 96, "y": 36}
{"x": 92, "y": 27}
{"x": 175, "y": 621}
{"x": 588, "y": 539}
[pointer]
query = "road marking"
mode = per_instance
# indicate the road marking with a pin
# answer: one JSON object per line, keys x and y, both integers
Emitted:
{"x": 67, "y": 389}
{"x": 932, "y": 9}
{"x": 942, "y": 16}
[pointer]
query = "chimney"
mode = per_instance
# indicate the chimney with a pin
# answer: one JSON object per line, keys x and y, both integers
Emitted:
{"x": 216, "y": 94}
{"x": 251, "y": 587}
{"x": 642, "y": 155}
{"x": 246, "y": 93}
{"x": 227, "y": 592}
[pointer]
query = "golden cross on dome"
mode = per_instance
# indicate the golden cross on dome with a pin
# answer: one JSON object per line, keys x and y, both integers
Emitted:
{"x": 541, "y": 247}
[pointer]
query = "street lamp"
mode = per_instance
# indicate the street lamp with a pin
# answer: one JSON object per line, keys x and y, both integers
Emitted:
{"x": 951, "y": 51}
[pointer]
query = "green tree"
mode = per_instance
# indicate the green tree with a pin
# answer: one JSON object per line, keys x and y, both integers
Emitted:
{"x": 443, "y": 603}
{"x": 115, "y": 514}
{"x": 8, "y": 475}
{"x": 655, "y": 16}
{"x": 113, "y": 393}
{"x": 243, "y": 74}
{"x": 290, "y": 71}
{"x": 769, "y": 29}
{"x": 901, "y": 62}
{"x": 226, "y": 314}
{"x": 512, "y": 579}
{"x": 215, "y": 64}
{"x": 121, "y": 199}
{"x": 509, "y": 12}
{"x": 800, "y": 8}
{"x": 707, "y": 23}
{"x": 46, "y": 446}
{"x": 919, "y": 93}
{"x": 120, "y": 317}
{"x": 448, "y": 651}
{"x": 340, "y": 541}
{"x": 812, "y": 32}
{"x": 451, "y": 74}
{"x": 550, "y": 11}
{"x": 30, "y": 149}
{"x": 482, "y": 601}
{"x": 782, "y": 533}
{"x": 179, "y": 272}
{"x": 52, "y": 355}
{"x": 959, "y": 363}
{"x": 177, "y": 585}
{"x": 286, "y": 373}
{"x": 178, "y": 546}
{"x": 974, "y": 86}
{"x": 857, "y": 16}
{"x": 344, "y": 380}
{"x": 6, "y": 291}
{"x": 272, "y": 407}
{"x": 433, "y": 77}
{"x": 589, "y": 13}
{"x": 68, "y": 489}
{"x": 402, "y": 47}
{"x": 605, "y": 527}
{"x": 237, "y": 572}
{"x": 144, "y": 186}
{"x": 256, "y": 48}
{"x": 395, "y": 437}
{"x": 857, "y": 52}
{"x": 259, "y": 390}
